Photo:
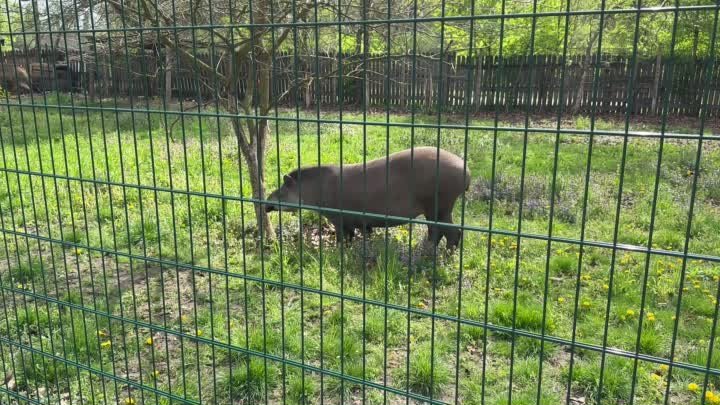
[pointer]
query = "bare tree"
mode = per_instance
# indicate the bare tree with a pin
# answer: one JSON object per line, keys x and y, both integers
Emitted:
{"x": 235, "y": 35}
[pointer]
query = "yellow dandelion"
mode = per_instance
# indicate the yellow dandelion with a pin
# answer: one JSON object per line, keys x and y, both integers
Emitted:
{"x": 606, "y": 287}
{"x": 586, "y": 304}
{"x": 709, "y": 396}
{"x": 655, "y": 377}
{"x": 630, "y": 312}
{"x": 422, "y": 305}
{"x": 674, "y": 318}
{"x": 106, "y": 344}
{"x": 129, "y": 401}
{"x": 156, "y": 374}
{"x": 199, "y": 332}
{"x": 692, "y": 387}
{"x": 560, "y": 300}
{"x": 102, "y": 333}
{"x": 651, "y": 317}
{"x": 664, "y": 368}
{"x": 149, "y": 341}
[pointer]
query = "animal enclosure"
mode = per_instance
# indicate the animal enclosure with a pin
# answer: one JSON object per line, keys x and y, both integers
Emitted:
{"x": 139, "y": 263}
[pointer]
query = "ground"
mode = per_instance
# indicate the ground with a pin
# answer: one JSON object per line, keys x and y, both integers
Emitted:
{"x": 115, "y": 275}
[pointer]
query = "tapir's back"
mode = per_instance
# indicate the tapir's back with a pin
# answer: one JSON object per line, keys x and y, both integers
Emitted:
{"x": 405, "y": 183}
{"x": 426, "y": 169}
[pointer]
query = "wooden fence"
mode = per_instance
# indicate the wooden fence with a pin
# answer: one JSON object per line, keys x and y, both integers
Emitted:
{"x": 511, "y": 84}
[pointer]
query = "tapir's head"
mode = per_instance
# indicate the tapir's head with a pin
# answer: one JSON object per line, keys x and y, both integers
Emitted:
{"x": 289, "y": 192}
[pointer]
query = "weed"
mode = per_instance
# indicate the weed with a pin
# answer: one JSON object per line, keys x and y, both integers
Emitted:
{"x": 247, "y": 382}
{"x": 526, "y": 317}
{"x": 427, "y": 374}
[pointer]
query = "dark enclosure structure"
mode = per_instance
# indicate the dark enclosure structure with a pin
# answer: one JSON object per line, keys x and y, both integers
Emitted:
{"x": 140, "y": 264}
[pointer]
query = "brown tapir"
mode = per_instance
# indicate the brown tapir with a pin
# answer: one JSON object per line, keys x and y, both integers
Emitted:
{"x": 14, "y": 78}
{"x": 409, "y": 192}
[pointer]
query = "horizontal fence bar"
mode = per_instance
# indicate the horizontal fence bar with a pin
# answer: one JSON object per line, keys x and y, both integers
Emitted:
{"x": 200, "y": 339}
{"x": 471, "y": 228}
{"x": 530, "y": 130}
{"x": 20, "y": 397}
{"x": 419, "y": 20}
{"x": 467, "y": 322}
{"x": 99, "y": 373}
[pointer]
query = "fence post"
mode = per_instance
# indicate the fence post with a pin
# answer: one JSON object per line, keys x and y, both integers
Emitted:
{"x": 168, "y": 73}
{"x": 656, "y": 82}
{"x": 477, "y": 63}
{"x": 429, "y": 85}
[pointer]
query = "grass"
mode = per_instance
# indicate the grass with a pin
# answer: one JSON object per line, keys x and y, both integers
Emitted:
{"x": 83, "y": 292}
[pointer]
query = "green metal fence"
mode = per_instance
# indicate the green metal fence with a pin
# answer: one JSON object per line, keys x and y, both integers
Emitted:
{"x": 140, "y": 263}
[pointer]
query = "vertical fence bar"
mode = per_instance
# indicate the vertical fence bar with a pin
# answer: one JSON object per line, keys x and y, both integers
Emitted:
{"x": 656, "y": 191}
{"x": 586, "y": 195}
{"x": 518, "y": 243}
{"x": 688, "y": 229}
{"x": 553, "y": 188}
{"x": 496, "y": 95}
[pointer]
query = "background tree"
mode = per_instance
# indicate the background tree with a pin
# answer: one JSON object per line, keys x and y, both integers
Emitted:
{"x": 254, "y": 35}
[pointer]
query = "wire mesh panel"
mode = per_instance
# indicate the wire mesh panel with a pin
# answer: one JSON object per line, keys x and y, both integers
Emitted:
{"x": 359, "y": 202}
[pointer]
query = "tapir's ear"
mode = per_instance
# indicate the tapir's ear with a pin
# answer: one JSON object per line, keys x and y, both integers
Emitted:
{"x": 288, "y": 180}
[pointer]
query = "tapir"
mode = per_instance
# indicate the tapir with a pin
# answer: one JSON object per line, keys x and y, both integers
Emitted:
{"x": 14, "y": 78}
{"x": 419, "y": 181}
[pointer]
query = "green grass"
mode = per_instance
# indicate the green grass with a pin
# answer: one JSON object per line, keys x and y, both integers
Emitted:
{"x": 203, "y": 312}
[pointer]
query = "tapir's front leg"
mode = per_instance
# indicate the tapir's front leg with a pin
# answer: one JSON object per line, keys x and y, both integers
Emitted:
{"x": 343, "y": 232}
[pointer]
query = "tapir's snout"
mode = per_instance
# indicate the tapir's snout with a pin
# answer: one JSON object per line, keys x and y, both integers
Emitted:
{"x": 271, "y": 204}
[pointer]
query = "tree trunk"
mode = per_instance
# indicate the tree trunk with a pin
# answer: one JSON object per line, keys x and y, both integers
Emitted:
{"x": 254, "y": 159}
{"x": 584, "y": 67}
{"x": 308, "y": 91}
{"x": 168, "y": 73}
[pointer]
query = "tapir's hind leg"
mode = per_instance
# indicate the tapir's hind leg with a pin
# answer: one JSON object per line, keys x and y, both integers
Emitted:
{"x": 453, "y": 235}
{"x": 436, "y": 232}
{"x": 346, "y": 232}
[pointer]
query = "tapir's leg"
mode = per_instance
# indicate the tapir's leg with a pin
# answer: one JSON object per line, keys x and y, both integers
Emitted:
{"x": 452, "y": 234}
{"x": 343, "y": 233}
{"x": 349, "y": 233}
{"x": 339, "y": 231}
{"x": 434, "y": 233}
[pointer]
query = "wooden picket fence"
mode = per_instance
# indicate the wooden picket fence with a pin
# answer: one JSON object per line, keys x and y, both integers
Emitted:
{"x": 486, "y": 83}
